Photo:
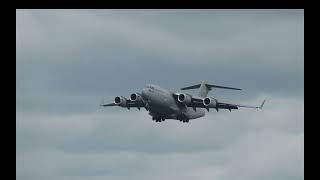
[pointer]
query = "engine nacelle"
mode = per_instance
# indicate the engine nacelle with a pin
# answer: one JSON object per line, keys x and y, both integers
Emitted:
{"x": 184, "y": 98}
{"x": 121, "y": 101}
{"x": 136, "y": 98}
{"x": 210, "y": 102}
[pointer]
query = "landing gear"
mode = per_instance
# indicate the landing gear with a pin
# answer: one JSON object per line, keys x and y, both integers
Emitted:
{"x": 158, "y": 119}
{"x": 183, "y": 118}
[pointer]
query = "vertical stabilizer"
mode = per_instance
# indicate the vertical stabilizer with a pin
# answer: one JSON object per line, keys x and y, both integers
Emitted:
{"x": 203, "y": 90}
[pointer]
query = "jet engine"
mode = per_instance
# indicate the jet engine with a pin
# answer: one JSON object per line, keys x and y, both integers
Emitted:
{"x": 184, "y": 98}
{"x": 210, "y": 102}
{"x": 136, "y": 97}
{"x": 121, "y": 101}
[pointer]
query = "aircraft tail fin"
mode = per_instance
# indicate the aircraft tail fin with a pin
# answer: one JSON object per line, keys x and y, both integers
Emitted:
{"x": 204, "y": 88}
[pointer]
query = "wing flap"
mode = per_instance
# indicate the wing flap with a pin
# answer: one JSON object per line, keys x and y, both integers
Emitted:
{"x": 226, "y": 106}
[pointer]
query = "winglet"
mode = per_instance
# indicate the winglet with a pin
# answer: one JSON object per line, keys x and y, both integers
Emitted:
{"x": 262, "y": 104}
{"x": 102, "y": 102}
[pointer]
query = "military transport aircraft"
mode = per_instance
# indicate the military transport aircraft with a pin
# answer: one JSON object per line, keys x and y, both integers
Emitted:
{"x": 164, "y": 104}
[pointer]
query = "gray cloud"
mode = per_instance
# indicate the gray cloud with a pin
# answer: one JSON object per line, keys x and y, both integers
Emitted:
{"x": 68, "y": 59}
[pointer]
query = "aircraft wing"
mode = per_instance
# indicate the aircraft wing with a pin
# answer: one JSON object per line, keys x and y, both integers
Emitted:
{"x": 226, "y": 106}
{"x": 128, "y": 104}
{"x": 134, "y": 104}
{"x": 221, "y": 105}
{"x": 110, "y": 104}
{"x": 256, "y": 107}
{"x": 197, "y": 102}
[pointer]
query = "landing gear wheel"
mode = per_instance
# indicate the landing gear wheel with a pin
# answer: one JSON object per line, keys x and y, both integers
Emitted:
{"x": 184, "y": 120}
{"x": 158, "y": 119}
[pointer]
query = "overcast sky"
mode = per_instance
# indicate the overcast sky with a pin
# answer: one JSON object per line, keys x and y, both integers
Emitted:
{"x": 67, "y": 60}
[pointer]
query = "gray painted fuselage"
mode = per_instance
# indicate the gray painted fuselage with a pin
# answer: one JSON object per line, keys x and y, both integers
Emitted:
{"x": 161, "y": 102}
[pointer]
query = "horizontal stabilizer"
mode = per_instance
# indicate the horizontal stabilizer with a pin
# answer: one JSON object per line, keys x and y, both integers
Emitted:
{"x": 222, "y": 87}
{"x": 191, "y": 87}
{"x": 209, "y": 86}
{"x": 204, "y": 88}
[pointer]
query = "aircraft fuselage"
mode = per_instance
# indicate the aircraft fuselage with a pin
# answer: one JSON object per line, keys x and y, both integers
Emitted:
{"x": 164, "y": 104}
{"x": 161, "y": 103}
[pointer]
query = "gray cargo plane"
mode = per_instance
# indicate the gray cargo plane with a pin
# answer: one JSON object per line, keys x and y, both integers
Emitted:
{"x": 164, "y": 104}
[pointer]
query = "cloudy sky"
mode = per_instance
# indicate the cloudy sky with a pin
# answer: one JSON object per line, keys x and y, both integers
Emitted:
{"x": 67, "y": 60}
